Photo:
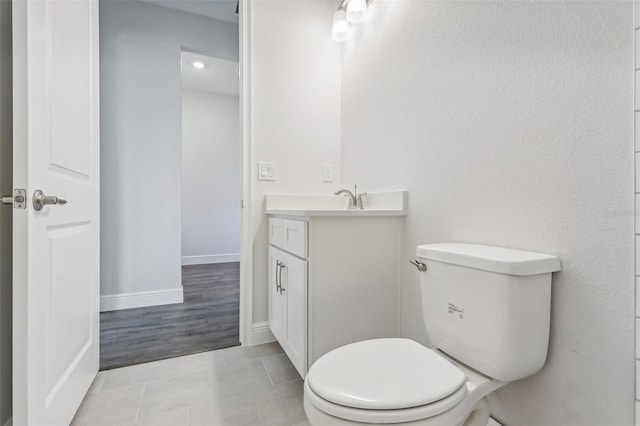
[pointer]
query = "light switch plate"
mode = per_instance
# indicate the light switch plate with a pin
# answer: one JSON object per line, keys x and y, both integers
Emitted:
{"x": 327, "y": 173}
{"x": 266, "y": 171}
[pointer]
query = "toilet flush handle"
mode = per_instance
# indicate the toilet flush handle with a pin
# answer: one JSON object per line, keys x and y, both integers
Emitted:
{"x": 421, "y": 266}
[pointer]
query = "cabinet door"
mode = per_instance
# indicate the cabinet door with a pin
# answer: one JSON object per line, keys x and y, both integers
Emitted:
{"x": 276, "y": 300}
{"x": 294, "y": 283}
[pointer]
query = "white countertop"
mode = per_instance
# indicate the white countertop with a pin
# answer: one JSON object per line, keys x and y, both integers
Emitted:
{"x": 375, "y": 204}
{"x": 341, "y": 212}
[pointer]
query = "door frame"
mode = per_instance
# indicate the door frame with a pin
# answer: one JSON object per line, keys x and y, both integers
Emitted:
{"x": 246, "y": 228}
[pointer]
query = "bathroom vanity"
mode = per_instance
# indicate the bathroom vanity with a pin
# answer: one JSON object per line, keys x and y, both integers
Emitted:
{"x": 333, "y": 272}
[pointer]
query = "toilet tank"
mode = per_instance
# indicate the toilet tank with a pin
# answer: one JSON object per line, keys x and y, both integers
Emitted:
{"x": 488, "y": 307}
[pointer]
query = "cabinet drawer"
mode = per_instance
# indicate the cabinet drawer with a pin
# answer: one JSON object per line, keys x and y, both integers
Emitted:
{"x": 295, "y": 237}
{"x": 276, "y": 232}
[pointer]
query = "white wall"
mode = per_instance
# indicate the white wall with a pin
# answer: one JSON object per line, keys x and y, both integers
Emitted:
{"x": 211, "y": 189}
{"x": 6, "y": 212}
{"x": 295, "y": 111}
{"x": 140, "y": 86}
{"x": 510, "y": 124}
{"x": 636, "y": 67}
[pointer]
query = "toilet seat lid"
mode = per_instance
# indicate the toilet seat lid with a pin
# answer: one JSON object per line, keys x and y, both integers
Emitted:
{"x": 384, "y": 374}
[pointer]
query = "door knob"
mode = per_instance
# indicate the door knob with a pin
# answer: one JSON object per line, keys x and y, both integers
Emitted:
{"x": 40, "y": 200}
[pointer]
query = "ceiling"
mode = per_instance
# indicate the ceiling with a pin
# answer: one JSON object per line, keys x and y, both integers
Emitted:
{"x": 217, "y": 76}
{"x": 223, "y": 10}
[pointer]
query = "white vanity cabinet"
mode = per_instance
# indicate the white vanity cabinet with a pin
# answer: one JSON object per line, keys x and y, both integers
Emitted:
{"x": 288, "y": 304}
{"x": 332, "y": 281}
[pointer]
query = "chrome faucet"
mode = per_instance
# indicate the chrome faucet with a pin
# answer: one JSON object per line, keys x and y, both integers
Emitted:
{"x": 355, "y": 199}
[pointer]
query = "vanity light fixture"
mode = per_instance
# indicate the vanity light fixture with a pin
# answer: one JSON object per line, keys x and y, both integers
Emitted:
{"x": 340, "y": 30}
{"x": 349, "y": 12}
{"x": 198, "y": 64}
{"x": 356, "y": 11}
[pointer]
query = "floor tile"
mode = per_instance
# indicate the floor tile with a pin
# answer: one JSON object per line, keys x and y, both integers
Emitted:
{"x": 225, "y": 387}
{"x": 191, "y": 389}
{"x": 98, "y": 382}
{"x": 280, "y": 368}
{"x": 109, "y": 407}
{"x": 175, "y": 393}
{"x": 285, "y": 410}
{"x": 167, "y": 368}
{"x": 241, "y": 354}
{"x": 237, "y": 410}
{"x": 290, "y": 389}
{"x": 172, "y": 418}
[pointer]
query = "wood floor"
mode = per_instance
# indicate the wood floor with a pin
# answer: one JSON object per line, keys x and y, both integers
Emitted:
{"x": 208, "y": 319}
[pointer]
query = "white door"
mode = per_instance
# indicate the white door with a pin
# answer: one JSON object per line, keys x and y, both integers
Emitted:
{"x": 56, "y": 249}
{"x": 294, "y": 289}
{"x": 276, "y": 300}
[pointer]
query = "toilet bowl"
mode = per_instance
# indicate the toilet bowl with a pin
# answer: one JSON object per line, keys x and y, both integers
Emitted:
{"x": 487, "y": 312}
{"x": 395, "y": 381}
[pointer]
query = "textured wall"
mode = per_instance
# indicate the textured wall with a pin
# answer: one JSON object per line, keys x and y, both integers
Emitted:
{"x": 510, "y": 124}
{"x": 140, "y": 102}
{"x": 296, "y": 111}
{"x": 636, "y": 108}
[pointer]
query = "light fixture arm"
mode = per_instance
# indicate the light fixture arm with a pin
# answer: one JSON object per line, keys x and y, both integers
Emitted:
{"x": 343, "y": 4}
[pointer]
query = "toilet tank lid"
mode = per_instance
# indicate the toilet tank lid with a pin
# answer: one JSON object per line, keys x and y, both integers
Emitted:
{"x": 489, "y": 258}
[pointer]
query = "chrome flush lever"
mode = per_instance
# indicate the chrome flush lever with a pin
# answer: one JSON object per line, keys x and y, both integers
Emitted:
{"x": 421, "y": 266}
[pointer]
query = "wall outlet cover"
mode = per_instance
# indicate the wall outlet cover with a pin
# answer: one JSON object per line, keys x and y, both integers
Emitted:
{"x": 327, "y": 173}
{"x": 266, "y": 171}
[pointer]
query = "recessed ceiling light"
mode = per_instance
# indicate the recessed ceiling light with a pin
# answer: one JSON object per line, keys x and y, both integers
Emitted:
{"x": 198, "y": 65}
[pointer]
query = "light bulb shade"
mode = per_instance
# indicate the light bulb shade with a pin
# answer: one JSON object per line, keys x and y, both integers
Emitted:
{"x": 340, "y": 27}
{"x": 356, "y": 11}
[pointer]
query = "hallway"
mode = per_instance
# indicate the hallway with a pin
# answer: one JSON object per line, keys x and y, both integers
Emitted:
{"x": 207, "y": 319}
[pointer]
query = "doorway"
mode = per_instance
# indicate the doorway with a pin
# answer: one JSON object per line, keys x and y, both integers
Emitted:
{"x": 171, "y": 179}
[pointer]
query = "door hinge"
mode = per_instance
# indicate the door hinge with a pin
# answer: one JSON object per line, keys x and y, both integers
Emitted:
{"x": 242, "y": 204}
{"x": 19, "y": 199}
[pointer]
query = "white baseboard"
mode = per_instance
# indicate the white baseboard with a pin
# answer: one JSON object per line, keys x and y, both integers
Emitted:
{"x": 213, "y": 258}
{"x": 115, "y": 302}
{"x": 493, "y": 422}
{"x": 260, "y": 333}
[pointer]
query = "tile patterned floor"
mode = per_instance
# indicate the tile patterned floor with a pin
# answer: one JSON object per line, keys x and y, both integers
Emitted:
{"x": 255, "y": 385}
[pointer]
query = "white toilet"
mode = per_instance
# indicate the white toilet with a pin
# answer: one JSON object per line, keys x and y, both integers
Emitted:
{"x": 486, "y": 311}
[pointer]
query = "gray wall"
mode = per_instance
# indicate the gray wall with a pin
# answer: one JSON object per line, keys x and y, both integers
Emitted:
{"x": 6, "y": 212}
{"x": 211, "y": 189}
{"x": 6, "y": 184}
{"x": 140, "y": 87}
{"x": 510, "y": 124}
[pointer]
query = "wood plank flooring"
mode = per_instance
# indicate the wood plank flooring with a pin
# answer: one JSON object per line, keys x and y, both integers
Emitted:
{"x": 208, "y": 319}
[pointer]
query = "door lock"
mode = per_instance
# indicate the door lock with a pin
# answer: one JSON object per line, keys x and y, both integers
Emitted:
{"x": 19, "y": 199}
